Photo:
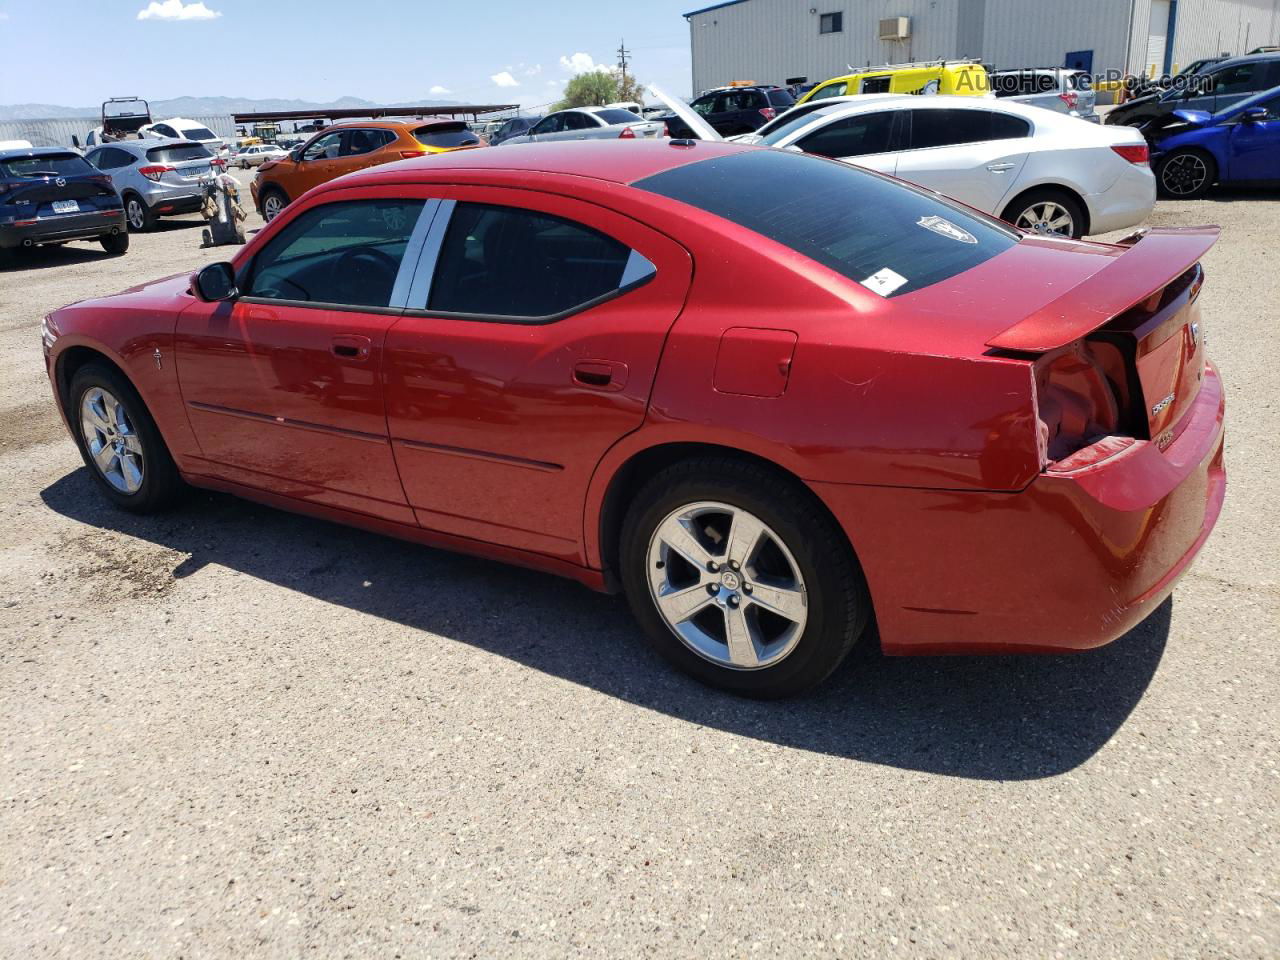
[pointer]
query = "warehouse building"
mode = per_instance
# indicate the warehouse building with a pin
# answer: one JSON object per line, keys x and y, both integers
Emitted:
{"x": 772, "y": 41}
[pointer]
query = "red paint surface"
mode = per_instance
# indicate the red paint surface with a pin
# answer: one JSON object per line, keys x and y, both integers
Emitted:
{"x": 503, "y": 439}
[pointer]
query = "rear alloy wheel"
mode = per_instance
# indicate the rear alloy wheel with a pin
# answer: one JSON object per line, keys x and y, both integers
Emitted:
{"x": 740, "y": 578}
{"x": 1050, "y": 213}
{"x": 1186, "y": 174}
{"x": 272, "y": 204}
{"x": 119, "y": 441}
{"x": 139, "y": 215}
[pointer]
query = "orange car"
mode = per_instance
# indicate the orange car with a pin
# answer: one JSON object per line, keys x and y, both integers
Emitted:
{"x": 346, "y": 147}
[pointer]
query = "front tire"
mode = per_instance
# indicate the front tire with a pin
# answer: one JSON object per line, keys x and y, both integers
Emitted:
{"x": 739, "y": 577}
{"x": 115, "y": 244}
{"x": 138, "y": 214}
{"x": 1186, "y": 174}
{"x": 273, "y": 202}
{"x": 119, "y": 440}
{"x": 1048, "y": 212}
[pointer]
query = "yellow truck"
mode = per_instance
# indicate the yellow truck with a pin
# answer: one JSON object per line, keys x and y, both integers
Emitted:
{"x": 962, "y": 77}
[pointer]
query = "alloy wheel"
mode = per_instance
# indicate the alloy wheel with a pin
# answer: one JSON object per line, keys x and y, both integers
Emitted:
{"x": 727, "y": 585}
{"x": 112, "y": 441}
{"x": 137, "y": 216}
{"x": 1184, "y": 174}
{"x": 1048, "y": 218}
{"x": 271, "y": 207}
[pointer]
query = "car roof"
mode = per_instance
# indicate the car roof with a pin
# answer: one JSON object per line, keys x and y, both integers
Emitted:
{"x": 399, "y": 123}
{"x": 854, "y": 105}
{"x": 615, "y": 161}
{"x": 1249, "y": 58}
{"x": 36, "y": 152}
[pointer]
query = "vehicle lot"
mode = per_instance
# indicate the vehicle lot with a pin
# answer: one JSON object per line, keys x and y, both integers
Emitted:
{"x": 232, "y": 731}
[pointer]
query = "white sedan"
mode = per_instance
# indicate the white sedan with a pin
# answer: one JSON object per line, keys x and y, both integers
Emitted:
{"x": 258, "y": 154}
{"x": 1040, "y": 170}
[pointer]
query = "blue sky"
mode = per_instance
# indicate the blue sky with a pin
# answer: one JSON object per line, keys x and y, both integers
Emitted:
{"x": 79, "y": 52}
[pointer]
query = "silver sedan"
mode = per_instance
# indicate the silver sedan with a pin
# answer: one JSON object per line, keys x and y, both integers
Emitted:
{"x": 590, "y": 123}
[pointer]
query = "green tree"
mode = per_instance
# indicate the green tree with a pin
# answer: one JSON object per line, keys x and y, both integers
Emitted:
{"x": 592, "y": 89}
{"x": 629, "y": 89}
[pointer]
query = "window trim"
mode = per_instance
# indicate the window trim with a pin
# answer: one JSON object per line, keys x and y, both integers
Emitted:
{"x": 835, "y": 18}
{"x": 429, "y": 258}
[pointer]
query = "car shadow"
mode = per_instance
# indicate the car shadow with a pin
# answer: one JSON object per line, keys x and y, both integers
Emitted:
{"x": 46, "y": 257}
{"x": 990, "y": 718}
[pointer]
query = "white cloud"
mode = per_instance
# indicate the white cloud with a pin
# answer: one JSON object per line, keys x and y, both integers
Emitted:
{"x": 439, "y": 89}
{"x": 505, "y": 79}
{"x": 582, "y": 63}
{"x": 534, "y": 70}
{"x": 177, "y": 10}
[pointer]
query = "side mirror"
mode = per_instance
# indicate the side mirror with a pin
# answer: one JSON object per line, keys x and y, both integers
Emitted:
{"x": 1256, "y": 115}
{"x": 216, "y": 282}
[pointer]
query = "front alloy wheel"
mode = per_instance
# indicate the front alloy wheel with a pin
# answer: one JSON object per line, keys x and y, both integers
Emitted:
{"x": 727, "y": 586}
{"x": 1186, "y": 175}
{"x": 111, "y": 440}
{"x": 272, "y": 204}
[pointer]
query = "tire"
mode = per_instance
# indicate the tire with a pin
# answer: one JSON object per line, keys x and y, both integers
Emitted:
{"x": 138, "y": 214}
{"x": 801, "y": 559}
{"x": 107, "y": 415}
{"x": 1038, "y": 210}
{"x": 115, "y": 244}
{"x": 273, "y": 202}
{"x": 1186, "y": 174}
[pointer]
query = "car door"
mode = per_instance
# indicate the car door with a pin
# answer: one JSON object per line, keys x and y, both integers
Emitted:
{"x": 283, "y": 384}
{"x": 320, "y": 162}
{"x": 971, "y": 155}
{"x": 525, "y": 354}
{"x": 865, "y": 139}
{"x": 547, "y": 128}
{"x": 1253, "y": 151}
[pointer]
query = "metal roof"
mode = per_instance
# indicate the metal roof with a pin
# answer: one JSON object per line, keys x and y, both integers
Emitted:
{"x": 373, "y": 113}
{"x": 714, "y": 6}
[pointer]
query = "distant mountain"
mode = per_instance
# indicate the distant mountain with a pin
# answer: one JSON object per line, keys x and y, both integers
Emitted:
{"x": 202, "y": 106}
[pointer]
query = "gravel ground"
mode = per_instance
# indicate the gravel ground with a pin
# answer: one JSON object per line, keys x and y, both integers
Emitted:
{"x": 232, "y": 732}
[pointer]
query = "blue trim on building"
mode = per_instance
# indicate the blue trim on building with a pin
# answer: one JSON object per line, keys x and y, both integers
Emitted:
{"x": 717, "y": 6}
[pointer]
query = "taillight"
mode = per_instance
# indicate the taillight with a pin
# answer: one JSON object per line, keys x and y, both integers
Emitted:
{"x": 1076, "y": 404}
{"x": 1071, "y": 99}
{"x": 218, "y": 162}
{"x": 627, "y": 134}
{"x": 768, "y": 112}
{"x": 155, "y": 171}
{"x": 1134, "y": 152}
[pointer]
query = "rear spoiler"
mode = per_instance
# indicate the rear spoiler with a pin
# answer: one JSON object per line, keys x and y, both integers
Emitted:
{"x": 1154, "y": 259}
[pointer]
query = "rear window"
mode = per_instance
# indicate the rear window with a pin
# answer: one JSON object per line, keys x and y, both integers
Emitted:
{"x": 780, "y": 98}
{"x": 617, "y": 116}
{"x": 446, "y": 135}
{"x": 887, "y": 236}
{"x": 176, "y": 154}
{"x": 200, "y": 133}
{"x": 52, "y": 165}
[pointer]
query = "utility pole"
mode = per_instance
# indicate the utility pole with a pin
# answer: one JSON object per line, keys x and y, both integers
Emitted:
{"x": 623, "y": 53}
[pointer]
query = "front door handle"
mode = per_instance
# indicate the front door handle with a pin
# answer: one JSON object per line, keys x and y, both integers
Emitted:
{"x": 351, "y": 347}
{"x": 600, "y": 374}
{"x": 1000, "y": 167}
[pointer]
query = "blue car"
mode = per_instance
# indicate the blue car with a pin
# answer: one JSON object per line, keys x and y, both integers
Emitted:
{"x": 51, "y": 195}
{"x": 1192, "y": 150}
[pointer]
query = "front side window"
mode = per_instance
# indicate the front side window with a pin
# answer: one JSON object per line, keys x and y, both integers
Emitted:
{"x": 324, "y": 148}
{"x": 831, "y": 90}
{"x": 949, "y": 128}
{"x": 342, "y": 253}
{"x": 704, "y": 106}
{"x": 551, "y": 124}
{"x": 885, "y": 235}
{"x": 501, "y": 261}
{"x": 831, "y": 23}
{"x": 166, "y": 131}
{"x": 851, "y": 137}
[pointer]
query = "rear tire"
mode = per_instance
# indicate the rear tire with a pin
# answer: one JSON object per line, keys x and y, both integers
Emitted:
{"x": 1047, "y": 211}
{"x": 138, "y": 214}
{"x": 119, "y": 441}
{"x": 115, "y": 244}
{"x": 800, "y": 563}
{"x": 1186, "y": 174}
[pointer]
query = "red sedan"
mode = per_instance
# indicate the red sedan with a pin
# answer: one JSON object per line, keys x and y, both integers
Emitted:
{"x": 767, "y": 395}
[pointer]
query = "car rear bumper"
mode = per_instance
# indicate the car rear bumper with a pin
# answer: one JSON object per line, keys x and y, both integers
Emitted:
{"x": 1072, "y": 562}
{"x": 1126, "y": 203}
{"x": 165, "y": 199}
{"x": 70, "y": 226}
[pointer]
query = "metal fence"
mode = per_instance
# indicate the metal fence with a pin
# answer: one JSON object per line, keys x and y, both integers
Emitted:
{"x": 66, "y": 132}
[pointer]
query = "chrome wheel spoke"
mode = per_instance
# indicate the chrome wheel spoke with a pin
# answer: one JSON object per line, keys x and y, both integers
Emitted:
{"x": 742, "y": 648}
{"x": 130, "y": 473}
{"x": 786, "y": 602}
{"x": 744, "y": 536}
{"x": 114, "y": 447}
{"x": 679, "y": 538}
{"x": 133, "y": 444}
{"x": 681, "y": 604}
{"x": 104, "y": 457}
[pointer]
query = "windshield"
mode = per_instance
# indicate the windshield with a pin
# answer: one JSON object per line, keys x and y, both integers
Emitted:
{"x": 787, "y": 124}
{"x": 889, "y": 237}
{"x": 183, "y": 151}
{"x": 50, "y": 165}
{"x": 616, "y": 116}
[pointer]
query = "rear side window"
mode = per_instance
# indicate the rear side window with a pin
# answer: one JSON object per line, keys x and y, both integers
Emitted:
{"x": 446, "y": 135}
{"x": 948, "y": 128}
{"x": 176, "y": 154}
{"x": 875, "y": 85}
{"x": 52, "y": 165}
{"x": 507, "y": 262}
{"x": 851, "y": 137}
{"x": 887, "y": 236}
{"x": 341, "y": 253}
{"x": 200, "y": 133}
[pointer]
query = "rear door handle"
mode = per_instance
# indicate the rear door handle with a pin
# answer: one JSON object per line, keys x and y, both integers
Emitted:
{"x": 1000, "y": 167}
{"x": 351, "y": 347}
{"x": 600, "y": 374}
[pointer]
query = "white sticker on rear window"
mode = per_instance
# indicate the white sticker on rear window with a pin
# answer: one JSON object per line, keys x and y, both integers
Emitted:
{"x": 884, "y": 281}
